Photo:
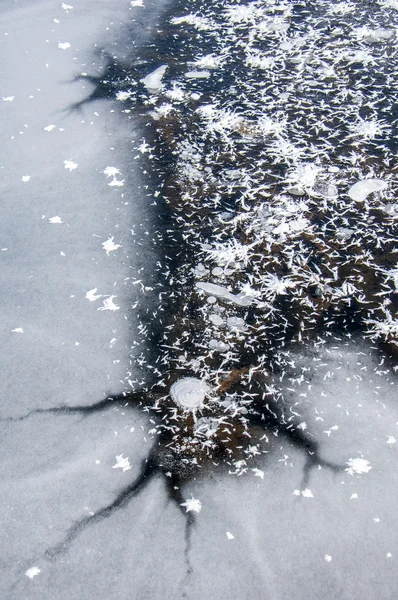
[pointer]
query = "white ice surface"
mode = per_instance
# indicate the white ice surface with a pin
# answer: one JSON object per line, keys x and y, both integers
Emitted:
{"x": 254, "y": 537}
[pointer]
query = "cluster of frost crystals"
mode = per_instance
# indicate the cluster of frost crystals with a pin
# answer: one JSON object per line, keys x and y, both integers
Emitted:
{"x": 278, "y": 126}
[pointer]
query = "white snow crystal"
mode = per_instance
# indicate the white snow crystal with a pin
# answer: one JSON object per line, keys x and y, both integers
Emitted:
{"x": 109, "y": 304}
{"x": 111, "y": 171}
{"x": 307, "y": 493}
{"x": 8, "y": 98}
{"x": 230, "y": 535}
{"x": 116, "y": 182}
{"x": 328, "y": 558}
{"x": 17, "y": 330}
{"x": 49, "y": 128}
{"x": 358, "y": 465}
{"x": 70, "y": 164}
{"x": 25, "y": 178}
{"x": 122, "y": 463}
{"x": 32, "y": 572}
{"x": 55, "y": 220}
{"x": 110, "y": 246}
{"x": 66, "y": 6}
{"x": 64, "y": 45}
{"x": 91, "y": 295}
{"x": 258, "y": 473}
{"x": 192, "y": 504}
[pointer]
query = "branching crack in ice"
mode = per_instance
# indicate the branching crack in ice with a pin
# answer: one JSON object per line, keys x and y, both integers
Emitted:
{"x": 279, "y": 195}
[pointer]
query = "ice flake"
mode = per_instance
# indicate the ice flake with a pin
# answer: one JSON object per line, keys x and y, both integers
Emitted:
{"x": 258, "y": 473}
{"x": 70, "y": 164}
{"x": 116, "y": 183}
{"x": 91, "y": 295}
{"x": 153, "y": 81}
{"x": 123, "y": 96}
{"x": 63, "y": 45}
{"x": 8, "y": 98}
{"x": 358, "y": 465}
{"x": 354, "y": 496}
{"x": 307, "y": 493}
{"x": 389, "y": 555}
{"x": 391, "y": 440}
{"x": 25, "y": 178}
{"x": 192, "y": 504}
{"x": 49, "y": 128}
{"x": 230, "y": 535}
{"x": 110, "y": 246}
{"x": 66, "y": 6}
{"x": 111, "y": 171}
{"x": 108, "y": 304}
{"x": 328, "y": 558}
{"x": 17, "y": 330}
{"x": 137, "y": 3}
{"x": 122, "y": 463}
{"x": 56, "y": 220}
{"x": 32, "y": 572}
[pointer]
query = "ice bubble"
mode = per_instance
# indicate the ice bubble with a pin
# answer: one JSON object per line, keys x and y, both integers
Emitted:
{"x": 362, "y": 189}
{"x": 221, "y": 292}
{"x": 189, "y": 392}
{"x": 236, "y": 323}
{"x": 206, "y": 426}
{"x": 197, "y": 74}
{"x": 216, "y": 320}
{"x": 391, "y": 209}
{"x": 378, "y": 35}
{"x": 153, "y": 81}
{"x": 345, "y": 233}
{"x": 218, "y": 345}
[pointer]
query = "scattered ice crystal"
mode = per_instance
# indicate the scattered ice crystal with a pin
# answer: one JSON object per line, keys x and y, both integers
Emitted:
{"x": 56, "y": 220}
{"x": 32, "y": 572}
{"x": 70, "y": 164}
{"x": 122, "y": 463}
{"x": 110, "y": 246}
{"x": 192, "y": 504}
{"x": 92, "y": 296}
{"x": 111, "y": 171}
{"x": 17, "y": 330}
{"x": 358, "y": 465}
{"x": 49, "y": 128}
{"x": 189, "y": 392}
{"x": 25, "y": 178}
{"x": 328, "y": 558}
{"x": 108, "y": 304}
{"x": 64, "y": 45}
{"x": 230, "y": 535}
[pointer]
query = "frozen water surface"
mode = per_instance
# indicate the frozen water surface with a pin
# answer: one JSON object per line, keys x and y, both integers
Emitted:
{"x": 197, "y": 406}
